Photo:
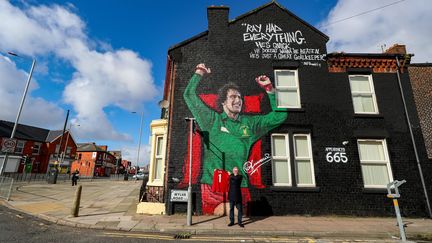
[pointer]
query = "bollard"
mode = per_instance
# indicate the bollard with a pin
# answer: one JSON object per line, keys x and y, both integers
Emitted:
{"x": 76, "y": 203}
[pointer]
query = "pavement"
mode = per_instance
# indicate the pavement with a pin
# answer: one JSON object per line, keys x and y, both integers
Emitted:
{"x": 111, "y": 205}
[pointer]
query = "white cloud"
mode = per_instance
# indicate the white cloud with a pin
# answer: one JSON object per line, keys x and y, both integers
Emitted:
{"x": 103, "y": 77}
{"x": 407, "y": 23}
{"x": 130, "y": 153}
{"x": 36, "y": 111}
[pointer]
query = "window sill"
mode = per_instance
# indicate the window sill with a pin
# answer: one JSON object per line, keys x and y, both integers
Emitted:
{"x": 155, "y": 183}
{"x": 368, "y": 116}
{"x": 375, "y": 191}
{"x": 280, "y": 109}
{"x": 294, "y": 189}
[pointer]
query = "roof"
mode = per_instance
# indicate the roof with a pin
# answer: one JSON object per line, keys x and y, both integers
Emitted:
{"x": 23, "y": 131}
{"x": 89, "y": 147}
{"x": 53, "y": 135}
{"x": 246, "y": 15}
{"x": 426, "y": 64}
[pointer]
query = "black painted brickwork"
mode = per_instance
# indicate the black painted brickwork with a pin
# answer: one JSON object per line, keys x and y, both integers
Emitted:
{"x": 327, "y": 113}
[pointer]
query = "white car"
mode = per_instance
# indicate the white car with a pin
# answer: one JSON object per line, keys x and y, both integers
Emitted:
{"x": 139, "y": 176}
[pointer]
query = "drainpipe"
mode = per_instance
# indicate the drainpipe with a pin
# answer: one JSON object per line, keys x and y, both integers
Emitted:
{"x": 412, "y": 139}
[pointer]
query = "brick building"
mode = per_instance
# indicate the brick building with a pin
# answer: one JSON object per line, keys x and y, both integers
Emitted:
{"x": 326, "y": 141}
{"x": 93, "y": 160}
{"x": 40, "y": 146}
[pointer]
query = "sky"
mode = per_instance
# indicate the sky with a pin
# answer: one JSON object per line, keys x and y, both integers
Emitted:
{"x": 105, "y": 59}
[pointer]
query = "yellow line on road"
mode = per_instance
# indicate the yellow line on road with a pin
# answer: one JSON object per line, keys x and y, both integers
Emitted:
{"x": 202, "y": 238}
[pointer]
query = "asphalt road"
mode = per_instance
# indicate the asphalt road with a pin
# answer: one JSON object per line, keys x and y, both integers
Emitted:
{"x": 19, "y": 227}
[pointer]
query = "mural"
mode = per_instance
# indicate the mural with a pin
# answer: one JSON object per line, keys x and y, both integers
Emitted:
{"x": 230, "y": 127}
{"x": 272, "y": 42}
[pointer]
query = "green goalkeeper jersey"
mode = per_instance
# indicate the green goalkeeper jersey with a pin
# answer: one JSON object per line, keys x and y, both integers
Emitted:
{"x": 227, "y": 142}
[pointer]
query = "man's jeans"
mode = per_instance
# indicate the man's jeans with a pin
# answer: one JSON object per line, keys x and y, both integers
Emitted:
{"x": 239, "y": 207}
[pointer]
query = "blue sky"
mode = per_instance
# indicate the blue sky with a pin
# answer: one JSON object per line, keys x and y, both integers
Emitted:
{"x": 104, "y": 59}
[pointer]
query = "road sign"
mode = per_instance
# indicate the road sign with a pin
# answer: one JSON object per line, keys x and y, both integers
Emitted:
{"x": 8, "y": 145}
{"x": 179, "y": 196}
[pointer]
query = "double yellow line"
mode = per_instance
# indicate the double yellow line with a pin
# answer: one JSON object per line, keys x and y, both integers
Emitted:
{"x": 206, "y": 238}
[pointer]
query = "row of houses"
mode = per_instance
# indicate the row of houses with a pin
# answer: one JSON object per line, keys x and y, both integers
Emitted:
{"x": 326, "y": 137}
{"x": 38, "y": 150}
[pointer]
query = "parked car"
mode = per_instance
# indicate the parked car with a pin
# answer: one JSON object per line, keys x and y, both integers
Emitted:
{"x": 139, "y": 176}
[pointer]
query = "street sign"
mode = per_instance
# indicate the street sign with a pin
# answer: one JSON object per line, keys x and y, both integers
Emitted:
{"x": 8, "y": 145}
{"x": 179, "y": 196}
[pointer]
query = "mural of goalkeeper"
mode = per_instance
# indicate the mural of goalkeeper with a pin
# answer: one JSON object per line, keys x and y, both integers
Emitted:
{"x": 230, "y": 134}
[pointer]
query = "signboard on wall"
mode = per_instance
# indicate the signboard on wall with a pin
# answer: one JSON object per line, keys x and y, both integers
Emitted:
{"x": 179, "y": 196}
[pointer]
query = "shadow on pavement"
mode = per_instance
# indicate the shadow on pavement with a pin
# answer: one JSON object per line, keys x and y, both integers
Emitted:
{"x": 208, "y": 220}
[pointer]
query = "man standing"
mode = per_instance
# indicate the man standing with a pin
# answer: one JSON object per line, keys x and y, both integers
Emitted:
{"x": 235, "y": 197}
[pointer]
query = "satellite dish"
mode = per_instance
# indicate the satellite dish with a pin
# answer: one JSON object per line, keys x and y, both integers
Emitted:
{"x": 163, "y": 104}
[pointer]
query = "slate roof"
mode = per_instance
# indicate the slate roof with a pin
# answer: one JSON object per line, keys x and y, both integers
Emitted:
{"x": 52, "y": 135}
{"x": 88, "y": 147}
{"x": 24, "y": 132}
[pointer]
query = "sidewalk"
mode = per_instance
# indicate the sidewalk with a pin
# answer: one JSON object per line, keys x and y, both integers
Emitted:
{"x": 111, "y": 204}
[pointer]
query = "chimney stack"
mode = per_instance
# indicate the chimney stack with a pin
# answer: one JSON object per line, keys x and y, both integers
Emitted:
{"x": 217, "y": 17}
{"x": 396, "y": 49}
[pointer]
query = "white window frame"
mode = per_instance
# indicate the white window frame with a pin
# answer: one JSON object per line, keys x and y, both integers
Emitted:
{"x": 23, "y": 142}
{"x": 374, "y": 162}
{"x": 68, "y": 151}
{"x": 158, "y": 156}
{"x": 358, "y": 93}
{"x": 287, "y": 88}
{"x": 38, "y": 150}
{"x": 287, "y": 157}
{"x": 310, "y": 158}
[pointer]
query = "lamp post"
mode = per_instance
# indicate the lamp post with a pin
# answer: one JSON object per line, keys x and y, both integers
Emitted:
{"x": 139, "y": 140}
{"x": 189, "y": 191}
{"x": 5, "y": 159}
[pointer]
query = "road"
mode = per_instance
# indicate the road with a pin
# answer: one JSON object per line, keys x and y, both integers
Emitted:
{"x": 19, "y": 227}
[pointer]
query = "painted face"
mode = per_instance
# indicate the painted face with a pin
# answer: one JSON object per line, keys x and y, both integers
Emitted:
{"x": 233, "y": 103}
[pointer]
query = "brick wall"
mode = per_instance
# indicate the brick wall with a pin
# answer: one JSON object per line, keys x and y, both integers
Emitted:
{"x": 326, "y": 113}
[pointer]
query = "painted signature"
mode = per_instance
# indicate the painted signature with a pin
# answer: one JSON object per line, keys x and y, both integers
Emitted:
{"x": 249, "y": 167}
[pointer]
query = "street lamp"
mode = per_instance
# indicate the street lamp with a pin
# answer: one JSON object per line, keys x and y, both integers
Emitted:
{"x": 139, "y": 141}
{"x": 5, "y": 159}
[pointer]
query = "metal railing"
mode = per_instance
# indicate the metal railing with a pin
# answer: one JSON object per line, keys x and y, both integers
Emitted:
{"x": 6, "y": 185}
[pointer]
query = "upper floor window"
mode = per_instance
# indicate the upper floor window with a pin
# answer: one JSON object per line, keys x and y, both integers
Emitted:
{"x": 158, "y": 173}
{"x": 68, "y": 150}
{"x": 375, "y": 163}
{"x": 36, "y": 148}
{"x": 20, "y": 146}
{"x": 287, "y": 89}
{"x": 363, "y": 94}
{"x": 301, "y": 160}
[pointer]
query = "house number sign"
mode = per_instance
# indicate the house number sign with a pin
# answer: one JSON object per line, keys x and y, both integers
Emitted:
{"x": 337, "y": 155}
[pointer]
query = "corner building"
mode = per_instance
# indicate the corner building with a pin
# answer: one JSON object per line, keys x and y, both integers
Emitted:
{"x": 342, "y": 138}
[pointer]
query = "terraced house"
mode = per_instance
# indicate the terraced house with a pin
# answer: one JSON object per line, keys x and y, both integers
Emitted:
{"x": 316, "y": 132}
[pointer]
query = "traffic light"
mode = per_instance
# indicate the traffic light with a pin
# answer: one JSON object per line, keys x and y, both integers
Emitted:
{"x": 26, "y": 159}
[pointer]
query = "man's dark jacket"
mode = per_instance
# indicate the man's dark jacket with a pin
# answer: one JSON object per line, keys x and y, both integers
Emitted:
{"x": 234, "y": 188}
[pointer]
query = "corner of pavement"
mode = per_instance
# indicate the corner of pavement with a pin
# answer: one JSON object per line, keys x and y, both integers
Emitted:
{"x": 111, "y": 205}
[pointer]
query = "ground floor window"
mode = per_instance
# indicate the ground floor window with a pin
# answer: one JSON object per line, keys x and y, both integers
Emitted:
{"x": 283, "y": 160}
{"x": 375, "y": 163}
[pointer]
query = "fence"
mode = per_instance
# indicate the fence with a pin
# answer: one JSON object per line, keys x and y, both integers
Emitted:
{"x": 6, "y": 185}
{"x": 34, "y": 177}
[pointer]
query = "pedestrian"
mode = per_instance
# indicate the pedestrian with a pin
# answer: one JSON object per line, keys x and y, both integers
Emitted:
{"x": 75, "y": 176}
{"x": 235, "y": 197}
